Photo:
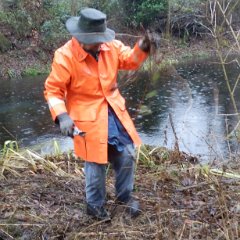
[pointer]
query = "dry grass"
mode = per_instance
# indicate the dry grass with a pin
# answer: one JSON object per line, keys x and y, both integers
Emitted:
{"x": 43, "y": 198}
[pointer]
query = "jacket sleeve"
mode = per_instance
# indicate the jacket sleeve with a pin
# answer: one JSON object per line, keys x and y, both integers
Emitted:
{"x": 130, "y": 59}
{"x": 56, "y": 84}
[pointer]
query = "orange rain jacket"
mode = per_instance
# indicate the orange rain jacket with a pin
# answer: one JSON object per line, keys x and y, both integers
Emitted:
{"x": 83, "y": 87}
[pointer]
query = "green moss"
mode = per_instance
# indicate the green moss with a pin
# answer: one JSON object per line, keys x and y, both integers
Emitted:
{"x": 35, "y": 70}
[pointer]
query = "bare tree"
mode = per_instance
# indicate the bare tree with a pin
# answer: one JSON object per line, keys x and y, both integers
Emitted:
{"x": 222, "y": 30}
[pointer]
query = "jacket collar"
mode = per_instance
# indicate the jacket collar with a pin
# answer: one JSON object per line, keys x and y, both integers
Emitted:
{"x": 78, "y": 51}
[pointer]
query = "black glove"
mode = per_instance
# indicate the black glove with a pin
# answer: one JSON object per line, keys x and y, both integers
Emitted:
{"x": 145, "y": 43}
{"x": 66, "y": 124}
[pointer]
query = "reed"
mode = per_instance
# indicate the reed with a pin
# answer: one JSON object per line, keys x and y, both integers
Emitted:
{"x": 15, "y": 161}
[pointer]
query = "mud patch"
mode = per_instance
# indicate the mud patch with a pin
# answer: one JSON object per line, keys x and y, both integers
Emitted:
{"x": 179, "y": 200}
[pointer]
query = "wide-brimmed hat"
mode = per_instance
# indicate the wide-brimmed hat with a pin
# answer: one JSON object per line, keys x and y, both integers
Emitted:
{"x": 90, "y": 27}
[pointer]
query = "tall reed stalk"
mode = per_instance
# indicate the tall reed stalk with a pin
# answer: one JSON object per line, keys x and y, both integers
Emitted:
{"x": 219, "y": 30}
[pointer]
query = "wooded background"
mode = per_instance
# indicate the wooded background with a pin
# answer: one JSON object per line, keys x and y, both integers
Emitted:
{"x": 40, "y": 23}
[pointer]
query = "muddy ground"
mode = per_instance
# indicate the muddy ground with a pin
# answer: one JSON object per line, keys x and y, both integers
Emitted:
{"x": 180, "y": 199}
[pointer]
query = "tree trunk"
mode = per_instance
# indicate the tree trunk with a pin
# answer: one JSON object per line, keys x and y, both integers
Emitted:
{"x": 74, "y": 7}
{"x": 168, "y": 24}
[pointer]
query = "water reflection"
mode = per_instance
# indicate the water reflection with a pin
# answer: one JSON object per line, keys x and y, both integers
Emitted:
{"x": 23, "y": 113}
{"x": 195, "y": 97}
{"x": 195, "y": 94}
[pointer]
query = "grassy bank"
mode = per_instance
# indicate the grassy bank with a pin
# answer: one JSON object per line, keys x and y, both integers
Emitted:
{"x": 33, "y": 61}
{"x": 43, "y": 198}
{"x": 19, "y": 63}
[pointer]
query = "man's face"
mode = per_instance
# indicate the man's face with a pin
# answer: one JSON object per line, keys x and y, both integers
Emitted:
{"x": 91, "y": 47}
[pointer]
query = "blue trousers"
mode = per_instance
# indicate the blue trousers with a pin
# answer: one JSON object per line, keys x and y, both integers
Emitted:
{"x": 123, "y": 164}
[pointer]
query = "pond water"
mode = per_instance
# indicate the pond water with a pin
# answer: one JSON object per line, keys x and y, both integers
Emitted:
{"x": 194, "y": 95}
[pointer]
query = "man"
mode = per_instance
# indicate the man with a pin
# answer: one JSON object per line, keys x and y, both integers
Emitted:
{"x": 82, "y": 93}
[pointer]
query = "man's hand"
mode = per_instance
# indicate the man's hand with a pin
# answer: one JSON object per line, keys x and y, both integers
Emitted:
{"x": 66, "y": 124}
{"x": 145, "y": 43}
{"x": 148, "y": 43}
